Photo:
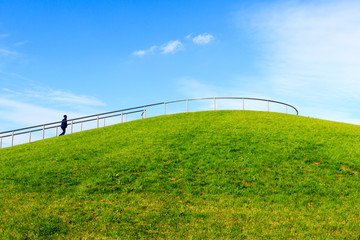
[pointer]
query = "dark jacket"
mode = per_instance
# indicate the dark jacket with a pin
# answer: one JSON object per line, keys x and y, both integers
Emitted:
{"x": 64, "y": 123}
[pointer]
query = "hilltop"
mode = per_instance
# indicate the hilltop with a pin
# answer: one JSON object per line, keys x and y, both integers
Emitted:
{"x": 204, "y": 175}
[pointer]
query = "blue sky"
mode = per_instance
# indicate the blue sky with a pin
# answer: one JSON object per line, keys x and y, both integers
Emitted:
{"x": 85, "y": 57}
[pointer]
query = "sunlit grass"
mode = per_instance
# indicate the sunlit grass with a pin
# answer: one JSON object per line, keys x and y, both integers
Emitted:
{"x": 207, "y": 175}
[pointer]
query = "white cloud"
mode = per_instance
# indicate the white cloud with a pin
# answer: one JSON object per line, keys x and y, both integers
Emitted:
{"x": 203, "y": 39}
{"x": 176, "y": 45}
{"x": 141, "y": 53}
{"x": 171, "y": 47}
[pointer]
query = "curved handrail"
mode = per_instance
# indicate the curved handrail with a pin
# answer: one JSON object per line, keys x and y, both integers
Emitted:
{"x": 122, "y": 112}
{"x": 239, "y": 98}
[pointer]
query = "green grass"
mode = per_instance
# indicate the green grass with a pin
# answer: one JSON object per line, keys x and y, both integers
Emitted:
{"x": 206, "y": 175}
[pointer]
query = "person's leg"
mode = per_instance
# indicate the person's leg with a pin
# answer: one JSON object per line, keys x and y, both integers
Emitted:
{"x": 62, "y": 132}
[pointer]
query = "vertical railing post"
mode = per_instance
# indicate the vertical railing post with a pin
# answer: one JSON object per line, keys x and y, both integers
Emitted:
{"x": 187, "y": 105}
{"x": 214, "y": 103}
{"x": 72, "y": 125}
{"x": 122, "y": 117}
{"x": 43, "y": 137}
{"x": 97, "y": 121}
{"x": 286, "y": 109}
{"x": 104, "y": 121}
{"x": 0, "y": 143}
{"x": 29, "y": 137}
{"x": 268, "y": 106}
{"x": 144, "y": 112}
{"x": 81, "y": 126}
{"x": 243, "y": 104}
{"x": 56, "y": 131}
{"x": 164, "y": 108}
{"x": 125, "y": 117}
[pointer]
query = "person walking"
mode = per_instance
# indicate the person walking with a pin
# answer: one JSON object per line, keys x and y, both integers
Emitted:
{"x": 63, "y": 125}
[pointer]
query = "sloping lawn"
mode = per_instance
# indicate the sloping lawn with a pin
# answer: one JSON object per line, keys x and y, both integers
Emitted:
{"x": 205, "y": 175}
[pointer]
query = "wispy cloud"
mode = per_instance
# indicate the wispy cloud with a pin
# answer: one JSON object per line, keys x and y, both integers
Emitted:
{"x": 171, "y": 47}
{"x": 311, "y": 50}
{"x": 203, "y": 39}
{"x": 189, "y": 36}
{"x": 59, "y": 96}
{"x": 23, "y": 114}
{"x": 5, "y": 52}
{"x": 20, "y": 43}
{"x": 312, "y": 45}
{"x": 11, "y": 76}
{"x": 42, "y": 105}
{"x": 67, "y": 97}
{"x": 8, "y": 90}
{"x": 4, "y": 35}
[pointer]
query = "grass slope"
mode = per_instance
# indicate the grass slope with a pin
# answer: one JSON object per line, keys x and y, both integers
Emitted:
{"x": 207, "y": 175}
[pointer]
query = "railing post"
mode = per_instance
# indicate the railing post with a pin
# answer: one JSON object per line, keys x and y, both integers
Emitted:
{"x": 72, "y": 124}
{"x": 29, "y": 137}
{"x": 187, "y": 105}
{"x": 268, "y": 106}
{"x": 97, "y": 121}
{"x": 12, "y": 138}
{"x": 43, "y": 132}
{"x": 125, "y": 117}
{"x": 243, "y": 104}
{"x": 164, "y": 108}
{"x": 81, "y": 124}
{"x": 56, "y": 131}
{"x": 214, "y": 104}
{"x": 0, "y": 143}
{"x": 144, "y": 112}
{"x": 104, "y": 121}
{"x": 286, "y": 108}
{"x": 121, "y": 117}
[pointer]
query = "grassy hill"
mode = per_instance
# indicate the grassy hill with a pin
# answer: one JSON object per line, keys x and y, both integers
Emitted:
{"x": 206, "y": 175}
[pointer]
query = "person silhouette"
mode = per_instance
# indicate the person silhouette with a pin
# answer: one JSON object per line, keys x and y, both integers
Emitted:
{"x": 63, "y": 125}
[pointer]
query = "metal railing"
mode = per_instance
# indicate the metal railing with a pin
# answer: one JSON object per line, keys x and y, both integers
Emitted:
{"x": 123, "y": 114}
